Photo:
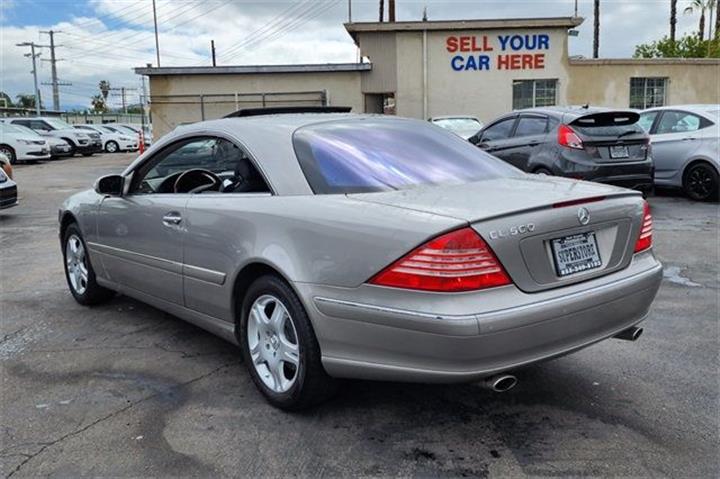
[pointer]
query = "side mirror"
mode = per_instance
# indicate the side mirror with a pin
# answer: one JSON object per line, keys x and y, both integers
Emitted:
{"x": 110, "y": 185}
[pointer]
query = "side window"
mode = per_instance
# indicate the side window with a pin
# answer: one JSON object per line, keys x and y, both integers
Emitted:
{"x": 646, "y": 120}
{"x": 678, "y": 122}
{"x": 531, "y": 125}
{"x": 39, "y": 125}
{"x": 25, "y": 123}
{"x": 499, "y": 131}
{"x": 222, "y": 158}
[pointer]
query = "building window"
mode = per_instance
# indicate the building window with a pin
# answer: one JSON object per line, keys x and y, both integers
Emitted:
{"x": 647, "y": 92}
{"x": 534, "y": 93}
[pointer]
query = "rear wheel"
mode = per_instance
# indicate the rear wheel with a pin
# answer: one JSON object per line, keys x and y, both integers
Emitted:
{"x": 9, "y": 152}
{"x": 700, "y": 182}
{"x": 111, "y": 147}
{"x": 279, "y": 346}
{"x": 79, "y": 272}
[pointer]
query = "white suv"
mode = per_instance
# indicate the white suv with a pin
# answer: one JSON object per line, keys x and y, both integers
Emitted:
{"x": 112, "y": 141}
{"x": 22, "y": 145}
{"x": 80, "y": 142}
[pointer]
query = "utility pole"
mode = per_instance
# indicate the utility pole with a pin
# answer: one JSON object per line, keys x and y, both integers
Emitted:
{"x": 53, "y": 64}
{"x": 349, "y": 11}
{"x": 382, "y": 11}
{"x": 123, "y": 94}
{"x": 157, "y": 41}
{"x": 391, "y": 11}
{"x": 33, "y": 55}
{"x": 212, "y": 49}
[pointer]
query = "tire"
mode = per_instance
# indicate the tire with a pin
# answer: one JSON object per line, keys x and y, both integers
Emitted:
{"x": 111, "y": 147}
{"x": 298, "y": 382}
{"x": 700, "y": 182}
{"x": 83, "y": 287}
{"x": 88, "y": 154}
{"x": 73, "y": 148}
{"x": 9, "y": 152}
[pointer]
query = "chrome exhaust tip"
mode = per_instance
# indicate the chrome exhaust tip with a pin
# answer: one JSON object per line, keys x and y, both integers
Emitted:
{"x": 500, "y": 383}
{"x": 630, "y": 334}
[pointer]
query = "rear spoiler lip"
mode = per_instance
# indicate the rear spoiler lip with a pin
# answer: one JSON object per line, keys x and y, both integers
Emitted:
{"x": 606, "y": 118}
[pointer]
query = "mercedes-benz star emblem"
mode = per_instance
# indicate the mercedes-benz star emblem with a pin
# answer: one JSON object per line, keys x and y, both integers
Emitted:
{"x": 583, "y": 216}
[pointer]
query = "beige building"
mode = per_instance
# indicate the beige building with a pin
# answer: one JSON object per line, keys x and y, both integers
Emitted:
{"x": 423, "y": 69}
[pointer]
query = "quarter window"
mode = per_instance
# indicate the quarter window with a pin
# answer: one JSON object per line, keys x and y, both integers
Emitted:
{"x": 534, "y": 93}
{"x": 647, "y": 119}
{"x": 647, "y": 92}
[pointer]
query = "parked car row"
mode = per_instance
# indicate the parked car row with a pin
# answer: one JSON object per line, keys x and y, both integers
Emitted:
{"x": 670, "y": 146}
{"x": 41, "y": 138}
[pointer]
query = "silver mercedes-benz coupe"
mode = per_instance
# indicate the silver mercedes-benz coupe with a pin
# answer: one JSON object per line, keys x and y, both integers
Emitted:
{"x": 334, "y": 245}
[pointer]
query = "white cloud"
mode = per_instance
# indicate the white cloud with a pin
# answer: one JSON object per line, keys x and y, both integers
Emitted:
{"x": 119, "y": 36}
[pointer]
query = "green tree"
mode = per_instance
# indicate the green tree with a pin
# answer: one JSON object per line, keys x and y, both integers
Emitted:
{"x": 5, "y": 100}
{"x": 689, "y": 46}
{"x": 104, "y": 86}
{"x": 98, "y": 104}
{"x": 26, "y": 100}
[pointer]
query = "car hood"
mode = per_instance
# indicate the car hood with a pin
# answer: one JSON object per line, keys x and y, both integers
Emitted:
{"x": 492, "y": 198}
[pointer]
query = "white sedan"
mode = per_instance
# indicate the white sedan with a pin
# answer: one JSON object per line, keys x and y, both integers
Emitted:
{"x": 112, "y": 140}
{"x": 21, "y": 145}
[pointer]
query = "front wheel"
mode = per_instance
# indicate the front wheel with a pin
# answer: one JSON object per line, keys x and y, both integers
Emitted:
{"x": 279, "y": 346}
{"x": 9, "y": 152}
{"x": 79, "y": 272}
{"x": 700, "y": 182}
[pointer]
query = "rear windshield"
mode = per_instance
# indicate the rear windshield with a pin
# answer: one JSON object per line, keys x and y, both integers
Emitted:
{"x": 456, "y": 124}
{"x": 603, "y": 124}
{"x": 381, "y": 154}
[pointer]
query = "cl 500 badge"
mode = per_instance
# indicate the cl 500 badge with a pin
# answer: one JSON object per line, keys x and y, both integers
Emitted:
{"x": 512, "y": 231}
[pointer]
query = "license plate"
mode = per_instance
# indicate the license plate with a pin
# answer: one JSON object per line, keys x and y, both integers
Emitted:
{"x": 619, "y": 152}
{"x": 576, "y": 253}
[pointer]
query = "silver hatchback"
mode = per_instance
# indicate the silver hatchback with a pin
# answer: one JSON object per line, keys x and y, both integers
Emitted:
{"x": 351, "y": 246}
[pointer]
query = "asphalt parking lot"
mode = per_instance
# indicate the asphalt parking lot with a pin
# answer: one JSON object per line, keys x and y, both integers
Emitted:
{"x": 126, "y": 390}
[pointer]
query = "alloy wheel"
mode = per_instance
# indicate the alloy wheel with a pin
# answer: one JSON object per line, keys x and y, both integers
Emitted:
{"x": 76, "y": 261}
{"x": 273, "y": 343}
{"x": 700, "y": 182}
{"x": 111, "y": 147}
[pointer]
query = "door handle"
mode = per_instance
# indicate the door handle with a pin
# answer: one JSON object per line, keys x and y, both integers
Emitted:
{"x": 172, "y": 219}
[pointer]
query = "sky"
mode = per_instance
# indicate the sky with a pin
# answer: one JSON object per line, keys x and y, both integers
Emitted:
{"x": 105, "y": 39}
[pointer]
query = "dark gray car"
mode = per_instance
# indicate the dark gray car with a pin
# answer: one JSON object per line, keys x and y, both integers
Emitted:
{"x": 595, "y": 144}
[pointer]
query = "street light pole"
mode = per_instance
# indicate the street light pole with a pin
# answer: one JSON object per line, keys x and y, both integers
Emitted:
{"x": 33, "y": 55}
{"x": 157, "y": 41}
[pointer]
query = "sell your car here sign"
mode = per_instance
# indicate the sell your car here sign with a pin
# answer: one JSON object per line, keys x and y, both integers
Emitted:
{"x": 497, "y": 52}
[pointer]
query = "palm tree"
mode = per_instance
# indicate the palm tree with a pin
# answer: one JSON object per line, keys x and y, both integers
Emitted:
{"x": 702, "y": 6}
{"x": 596, "y": 31}
{"x": 673, "y": 19}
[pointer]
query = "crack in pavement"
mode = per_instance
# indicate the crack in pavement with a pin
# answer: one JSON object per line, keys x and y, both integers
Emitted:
{"x": 76, "y": 432}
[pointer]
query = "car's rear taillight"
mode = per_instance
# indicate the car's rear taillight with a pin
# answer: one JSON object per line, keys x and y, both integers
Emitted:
{"x": 644, "y": 240}
{"x": 568, "y": 138}
{"x": 456, "y": 261}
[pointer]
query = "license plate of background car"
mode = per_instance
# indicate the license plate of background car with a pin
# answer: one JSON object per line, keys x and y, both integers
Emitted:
{"x": 576, "y": 253}
{"x": 619, "y": 152}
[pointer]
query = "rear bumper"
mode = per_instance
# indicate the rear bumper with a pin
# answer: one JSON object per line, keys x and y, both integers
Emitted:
{"x": 94, "y": 146}
{"x": 634, "y": 175}
{"x": 365, "y": 339}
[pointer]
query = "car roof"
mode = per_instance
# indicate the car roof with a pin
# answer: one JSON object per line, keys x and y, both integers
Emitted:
{"x": 454, "y": 117}
{"x": 268, "y": 139}
{"x": 702, "y": 109}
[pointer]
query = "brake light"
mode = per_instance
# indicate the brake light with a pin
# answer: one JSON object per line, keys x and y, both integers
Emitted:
{"x": 644, "y": 240}
{"x": 568, "y": 138}
{"x": 454, "y": 262}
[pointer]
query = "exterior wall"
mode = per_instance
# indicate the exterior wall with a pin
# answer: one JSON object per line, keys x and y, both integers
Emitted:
{"x": 382, "y": 49}
{"x": 343, "y": 88}
{"x": 607, "y": 82}
{"x": 484, "y": 93}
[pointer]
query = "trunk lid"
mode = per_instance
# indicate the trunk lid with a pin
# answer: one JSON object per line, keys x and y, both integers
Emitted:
{"x": 520, "y": 217}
